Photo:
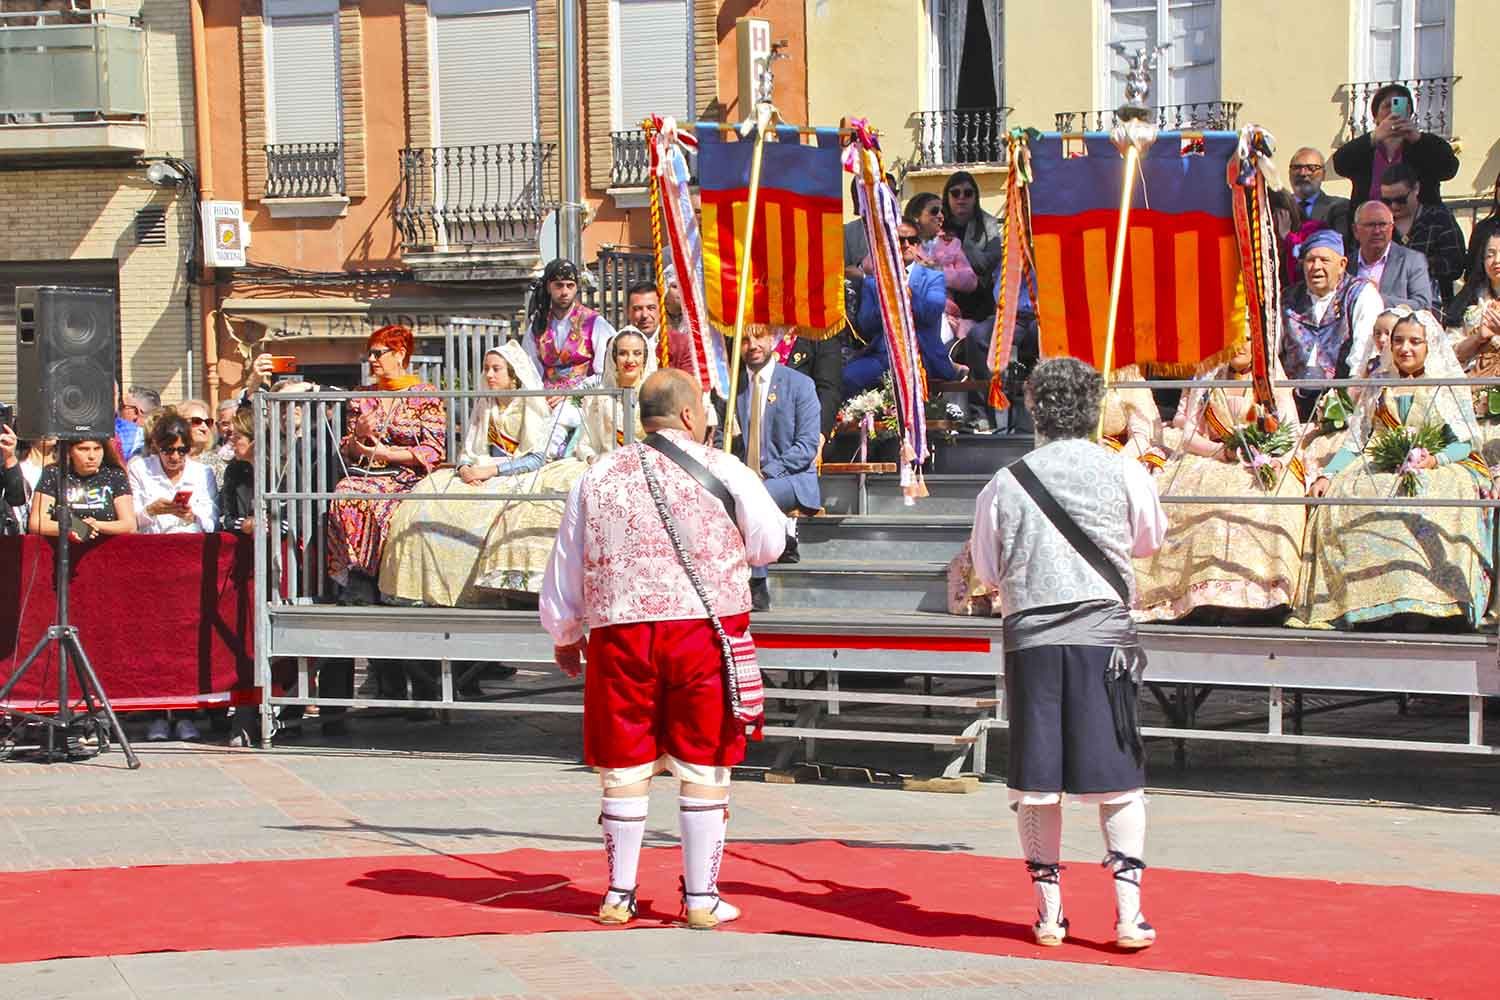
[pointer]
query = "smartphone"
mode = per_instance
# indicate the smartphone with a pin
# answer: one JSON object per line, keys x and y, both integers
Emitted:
{"x": 7, "y": 415}
{"x": 1401, "y": 106}
{"x": 283, "y": 364}
{"x": 82, "y": 528}
{"x": 181, "y": 498}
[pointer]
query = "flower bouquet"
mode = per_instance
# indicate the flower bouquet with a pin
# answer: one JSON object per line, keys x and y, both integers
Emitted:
{"x": 1256, "y": 447}
{"x": 874, "y": 411}
{"x": 1402, "y": 450}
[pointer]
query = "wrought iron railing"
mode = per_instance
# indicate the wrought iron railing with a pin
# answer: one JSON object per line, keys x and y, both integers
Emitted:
{"x": 1432, "y": 104}
{"x": 1207, "y": 116}
{"x": 304, "y": 169}
{"x": 469, "y": 196}
{"x": 630, "y": 161}
{"x": 960, "y": 136}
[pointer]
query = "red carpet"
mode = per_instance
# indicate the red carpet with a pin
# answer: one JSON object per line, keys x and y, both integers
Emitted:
{"x": 1380, "y": 939}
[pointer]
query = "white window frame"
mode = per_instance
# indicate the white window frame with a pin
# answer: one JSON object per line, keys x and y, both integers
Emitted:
{"x": 1365, "y": 72}
{"x": 937, "y": 13}
{"x": 448, "y": 8}
{"x": 617, "y": 64}
{"x": 1104, "y": 79}
{"x": 274, "y": 9}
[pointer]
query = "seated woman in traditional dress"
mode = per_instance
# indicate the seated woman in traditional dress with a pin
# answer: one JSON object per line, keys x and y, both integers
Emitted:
{"x": 391, "y": 445}
{"x": 1473, "y": 322}
{"x": 1233, "y": 560}
{"x": 520, "y": 540}
{"x": 1401, "y": 567}
{"x": 434, "y": 545}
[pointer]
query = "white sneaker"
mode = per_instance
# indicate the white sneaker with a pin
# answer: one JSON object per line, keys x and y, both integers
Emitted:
{"x": 184, "y": 731}
{"x": 707, "y": 918}
{"x": 158, "y": 731}
{"x": 1050, "y": 935}
{"x": 1134, "y": 935}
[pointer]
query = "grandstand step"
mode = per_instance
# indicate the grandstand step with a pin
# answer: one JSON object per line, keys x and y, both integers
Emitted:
{"x": 946, "y": 494}
{"x": 893, "y": 537}
{"x": 978, "y": 453}
{"x": 872, "y": 586}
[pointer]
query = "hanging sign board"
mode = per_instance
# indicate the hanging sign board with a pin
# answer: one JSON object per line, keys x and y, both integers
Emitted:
{"x": 224, "y": 234}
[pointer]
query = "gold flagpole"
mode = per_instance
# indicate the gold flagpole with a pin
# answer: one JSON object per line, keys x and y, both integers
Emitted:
{"x": 763, "y": 114}
{"x": 1131, "y": 137}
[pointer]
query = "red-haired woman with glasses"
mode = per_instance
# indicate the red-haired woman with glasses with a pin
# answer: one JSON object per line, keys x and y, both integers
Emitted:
{"x": 173, "y": 492}
{"x": 391, "y": 445}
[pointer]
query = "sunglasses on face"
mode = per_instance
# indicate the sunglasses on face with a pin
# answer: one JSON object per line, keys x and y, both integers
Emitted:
{"x": 200, "y": 421}
{"x": 181, "y": 449}
{"x": 910, "y": 241}
{"x": 1398, "y": 200}
{"x": 934, "y": 210}
{"x": 379, "y": 352}
{"x": 961, "y": 193}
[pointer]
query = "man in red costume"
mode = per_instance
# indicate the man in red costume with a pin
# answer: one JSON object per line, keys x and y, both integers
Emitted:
{"x": 655, "y": 696}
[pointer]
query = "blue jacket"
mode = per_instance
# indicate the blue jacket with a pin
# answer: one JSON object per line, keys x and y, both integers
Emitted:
{"x": 929, "y": 297}
{"x": 789, "y": 439}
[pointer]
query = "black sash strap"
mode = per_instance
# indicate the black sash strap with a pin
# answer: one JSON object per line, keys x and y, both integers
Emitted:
{"x": 694, "y": 468}
{"x": 1081, "y": 542}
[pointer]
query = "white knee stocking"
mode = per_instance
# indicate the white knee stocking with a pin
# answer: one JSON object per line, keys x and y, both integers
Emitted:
{"x": 1124, "y": 829}
{"x": 703, "y": 822}
{"x": 624, "y": 822}
{"x": 1041, "y": 843}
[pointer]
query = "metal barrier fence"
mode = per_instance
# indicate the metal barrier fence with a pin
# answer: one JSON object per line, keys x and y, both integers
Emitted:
{"x": 298, "y": 466}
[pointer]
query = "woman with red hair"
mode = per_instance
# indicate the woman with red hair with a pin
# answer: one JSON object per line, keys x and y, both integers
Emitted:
{"x": 391, "y": 445}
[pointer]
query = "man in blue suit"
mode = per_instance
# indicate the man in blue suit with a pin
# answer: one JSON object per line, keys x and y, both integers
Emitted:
{"x": 777, "y": 424}
{"x": 929, "y": 296}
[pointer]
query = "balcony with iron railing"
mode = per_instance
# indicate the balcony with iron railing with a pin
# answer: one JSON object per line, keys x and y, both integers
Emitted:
{"x": 959, "y": 137}
{"x": 630, "y": 163}
{"x": 1432, "y": 104}
{"x": 1201, "y": 116}
{"x": 483, "y": 202}
{"x": 305, "y": 170}
{"x": 71, "y": 81}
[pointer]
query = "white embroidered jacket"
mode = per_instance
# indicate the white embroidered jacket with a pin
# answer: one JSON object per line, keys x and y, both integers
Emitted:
{"x": 613, "y": 564}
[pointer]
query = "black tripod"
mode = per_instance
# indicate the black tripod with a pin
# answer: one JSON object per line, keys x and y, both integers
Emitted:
{"x": 64, "y": 732}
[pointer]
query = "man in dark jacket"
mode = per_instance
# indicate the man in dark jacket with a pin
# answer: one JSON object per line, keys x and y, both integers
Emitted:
{"x": 1395, "y": 139}
{"x": 12, "y": 484}
{"x": 823, "y": 362}
{"x": 1308, "y": 170}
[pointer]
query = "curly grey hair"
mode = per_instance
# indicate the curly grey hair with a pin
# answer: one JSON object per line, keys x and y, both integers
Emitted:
{"x": 1063, "y": 395}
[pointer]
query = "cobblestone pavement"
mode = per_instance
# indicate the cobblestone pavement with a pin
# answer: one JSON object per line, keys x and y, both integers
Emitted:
{"x": 489, "y": 784}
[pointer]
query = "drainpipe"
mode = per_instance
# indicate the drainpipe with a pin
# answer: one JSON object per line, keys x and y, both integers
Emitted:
{"x": 208, "y": 295}
{"x": 571, "y": 139}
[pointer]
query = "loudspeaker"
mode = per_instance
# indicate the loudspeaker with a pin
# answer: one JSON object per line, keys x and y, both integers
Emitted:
{"x": 65, "y": 362}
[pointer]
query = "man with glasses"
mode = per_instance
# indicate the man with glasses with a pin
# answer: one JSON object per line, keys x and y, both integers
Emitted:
{"x": 1307, "y": 169}
{"x": 1430, "y": 230}
{"x": 1399, "y": 273}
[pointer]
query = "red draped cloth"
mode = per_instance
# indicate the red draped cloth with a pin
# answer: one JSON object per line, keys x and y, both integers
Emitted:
{"x": 166, "y": 620}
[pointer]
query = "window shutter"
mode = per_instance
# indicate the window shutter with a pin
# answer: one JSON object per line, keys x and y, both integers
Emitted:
{"x": 486, "y": 76}
{"x": 304, "y": 79}
{"x": 654, "y": 50}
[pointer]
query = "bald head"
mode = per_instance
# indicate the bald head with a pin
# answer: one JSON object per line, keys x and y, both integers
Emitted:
{"x": 1373, "y": 229}
{"x": 671, "y": 399}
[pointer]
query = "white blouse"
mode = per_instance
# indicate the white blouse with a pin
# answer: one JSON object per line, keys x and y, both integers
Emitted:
{"x": 148, "y": 484}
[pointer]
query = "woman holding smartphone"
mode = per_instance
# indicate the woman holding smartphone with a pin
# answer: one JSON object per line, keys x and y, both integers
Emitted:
{"x": 95, "y": 487}
{"x": 173, "y": 492}
{"x": 1395, "y": 139}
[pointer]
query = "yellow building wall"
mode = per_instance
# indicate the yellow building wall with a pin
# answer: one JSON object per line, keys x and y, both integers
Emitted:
{"x": 1048, "y": 67}
{"x": 1289, "y": 80}
{"x": 1476, "y": 113}
{"x": 868, "y": 60}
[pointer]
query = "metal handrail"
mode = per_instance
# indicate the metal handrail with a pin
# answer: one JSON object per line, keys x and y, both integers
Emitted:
{"x": 1215, "y": 116}
{"x": 304, "y": 169}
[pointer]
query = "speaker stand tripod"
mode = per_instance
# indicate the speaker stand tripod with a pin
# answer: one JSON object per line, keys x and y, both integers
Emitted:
{"x": 64, "y": 731}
